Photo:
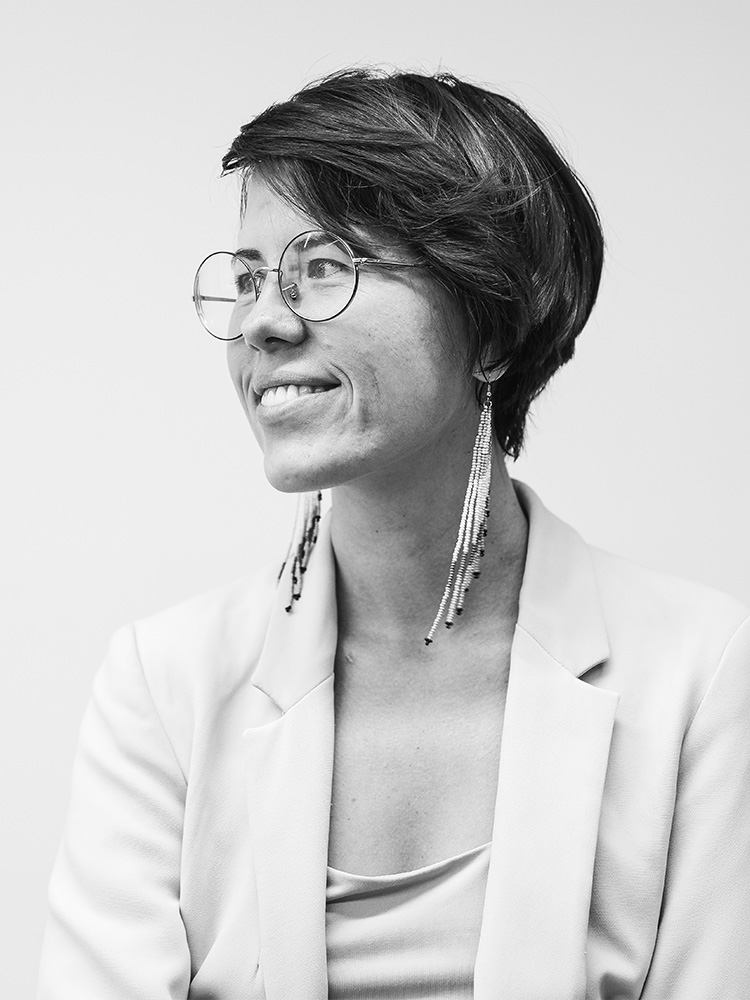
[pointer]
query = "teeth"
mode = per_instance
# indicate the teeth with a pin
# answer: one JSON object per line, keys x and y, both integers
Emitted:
{"x": 283, "y": 393}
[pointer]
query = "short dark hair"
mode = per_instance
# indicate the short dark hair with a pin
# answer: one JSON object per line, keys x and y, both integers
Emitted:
{"x": 467, "y": 182}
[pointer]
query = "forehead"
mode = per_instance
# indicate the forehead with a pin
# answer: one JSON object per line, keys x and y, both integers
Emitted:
{"x": 268, "y": 222}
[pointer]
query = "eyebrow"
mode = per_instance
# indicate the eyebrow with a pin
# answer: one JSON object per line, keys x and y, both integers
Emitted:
{"x": 248, "y": 253}
{"x": 318, "y": 240}
{"x": 312, "y": 241}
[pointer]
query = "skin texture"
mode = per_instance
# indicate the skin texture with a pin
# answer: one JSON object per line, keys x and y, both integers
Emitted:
{"x": 417, "y": 727}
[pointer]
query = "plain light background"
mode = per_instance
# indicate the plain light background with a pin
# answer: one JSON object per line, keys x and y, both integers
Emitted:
{"x": 130, "y": 480}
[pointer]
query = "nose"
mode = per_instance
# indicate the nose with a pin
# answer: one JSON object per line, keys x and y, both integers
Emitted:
{"x": 271, "y": 325}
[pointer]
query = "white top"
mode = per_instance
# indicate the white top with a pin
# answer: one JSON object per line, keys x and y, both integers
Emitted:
{"x": 406, "y": 936}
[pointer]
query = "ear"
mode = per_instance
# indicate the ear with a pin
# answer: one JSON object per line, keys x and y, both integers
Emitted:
{"x": 492, "y": 374}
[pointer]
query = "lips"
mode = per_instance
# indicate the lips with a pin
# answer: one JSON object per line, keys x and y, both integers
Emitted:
{"x": 273, "y": 388}
{"x": 275, "y": 395}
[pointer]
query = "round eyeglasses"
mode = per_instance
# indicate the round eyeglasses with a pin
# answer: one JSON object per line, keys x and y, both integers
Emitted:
{"x": 317, "y": 276}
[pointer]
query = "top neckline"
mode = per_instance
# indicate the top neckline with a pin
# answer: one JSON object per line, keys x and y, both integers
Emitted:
{"x": 433, "y": 868}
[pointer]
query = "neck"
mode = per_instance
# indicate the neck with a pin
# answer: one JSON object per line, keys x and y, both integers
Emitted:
{"x": 393, "y": 541}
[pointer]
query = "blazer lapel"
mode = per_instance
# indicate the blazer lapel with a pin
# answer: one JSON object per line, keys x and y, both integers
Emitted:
{"x": 289, "y": 769}
{"x": 553, "y": 763}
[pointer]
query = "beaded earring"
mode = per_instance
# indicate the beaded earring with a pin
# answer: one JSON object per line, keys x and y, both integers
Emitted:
{"x": 465, "y": 564}
{"x": 304, "y": 537}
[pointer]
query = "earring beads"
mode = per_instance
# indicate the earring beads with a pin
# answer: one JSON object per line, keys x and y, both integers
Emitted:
{"x": 469, "y": 549}
{"x": 304, "y": 537}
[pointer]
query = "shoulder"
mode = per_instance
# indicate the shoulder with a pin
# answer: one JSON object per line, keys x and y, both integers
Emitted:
{"x": 661, "y": 605}
{"x": 196, "y": 660}
{"x": 224, "y": 626}
{"x": 668, "y": 635}
{"x": 654, "y": 634}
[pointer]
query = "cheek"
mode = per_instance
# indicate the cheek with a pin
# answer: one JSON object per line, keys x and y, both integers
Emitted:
{"x": 240, "y": 376}
{"x": 408, "y": 395}
{"x": 417, "y": 365}
{"x": 239, "y": 367}
{"x": 234, "y": 361}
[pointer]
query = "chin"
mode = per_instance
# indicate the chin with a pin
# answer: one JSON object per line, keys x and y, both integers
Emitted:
{"x": 295, "y": 477}
{"x": 307, "y": 473}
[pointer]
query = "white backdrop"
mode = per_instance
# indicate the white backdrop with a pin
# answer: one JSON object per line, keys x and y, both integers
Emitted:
{"x": 130, "y": 480}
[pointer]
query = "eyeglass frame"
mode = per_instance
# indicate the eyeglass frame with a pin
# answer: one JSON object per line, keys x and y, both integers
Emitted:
{"x": 356, "y": 261}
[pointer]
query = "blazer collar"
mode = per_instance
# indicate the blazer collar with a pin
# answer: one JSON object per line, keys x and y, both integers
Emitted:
{"x": 559, "y": 603}
{"x": 300, "y": 645}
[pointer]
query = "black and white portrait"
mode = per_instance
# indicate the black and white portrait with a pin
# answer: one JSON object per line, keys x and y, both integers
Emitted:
{"x": 375, "y": 551}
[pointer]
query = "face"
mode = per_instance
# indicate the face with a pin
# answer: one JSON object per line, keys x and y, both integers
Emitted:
{"x": 376, "y": 392}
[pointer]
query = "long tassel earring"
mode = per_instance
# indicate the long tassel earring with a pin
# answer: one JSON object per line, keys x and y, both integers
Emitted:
{"x": 304, "y": 537}
{"x": 467, "y": 555}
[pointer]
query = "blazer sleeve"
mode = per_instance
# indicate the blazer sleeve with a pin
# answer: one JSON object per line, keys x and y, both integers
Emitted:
{"x": 703, "y": 943}
{"x": 114, "y": 929}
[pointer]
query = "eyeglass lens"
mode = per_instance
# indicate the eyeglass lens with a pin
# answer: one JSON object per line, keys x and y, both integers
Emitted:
{"x": 317, "y": 279}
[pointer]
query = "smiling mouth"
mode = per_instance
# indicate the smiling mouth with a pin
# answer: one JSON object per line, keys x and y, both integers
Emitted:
{"x": 279, "y": 394}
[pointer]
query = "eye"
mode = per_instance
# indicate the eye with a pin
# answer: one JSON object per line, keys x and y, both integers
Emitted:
{"x": 243, "y": 282}
{"x": 321, "y": 268}
{"x": 247, "y": 282}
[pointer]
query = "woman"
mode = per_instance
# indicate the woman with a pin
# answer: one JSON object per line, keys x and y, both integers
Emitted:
{"x": 309, "y": 787}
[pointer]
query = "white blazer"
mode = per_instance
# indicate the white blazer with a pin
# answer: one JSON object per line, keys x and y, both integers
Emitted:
{"x": 194, "y": 858}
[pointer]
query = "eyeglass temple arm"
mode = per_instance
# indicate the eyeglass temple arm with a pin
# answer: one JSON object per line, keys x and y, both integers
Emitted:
{"x": 383, "y": 263}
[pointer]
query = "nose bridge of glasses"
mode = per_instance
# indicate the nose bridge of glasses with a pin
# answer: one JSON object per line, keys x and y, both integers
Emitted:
{"x": 259, "y": 275}
{"x": 289, "y": 289}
